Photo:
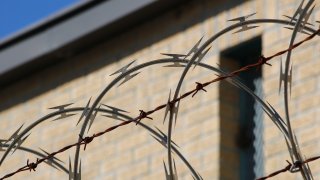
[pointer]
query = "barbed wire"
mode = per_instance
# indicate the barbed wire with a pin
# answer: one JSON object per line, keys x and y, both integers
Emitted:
{"x": 145, "y": 114}
{"x": 290, "y": 167}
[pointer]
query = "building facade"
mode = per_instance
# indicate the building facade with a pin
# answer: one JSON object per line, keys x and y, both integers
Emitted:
{"x": 223, "y": 133}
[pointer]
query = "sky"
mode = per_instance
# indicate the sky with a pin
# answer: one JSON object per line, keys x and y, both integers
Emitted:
{"x": 16, "y": 15}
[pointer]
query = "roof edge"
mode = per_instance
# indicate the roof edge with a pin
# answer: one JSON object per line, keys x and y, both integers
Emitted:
{"x": 73, "y": 31}
{"x": 48, "y": 22}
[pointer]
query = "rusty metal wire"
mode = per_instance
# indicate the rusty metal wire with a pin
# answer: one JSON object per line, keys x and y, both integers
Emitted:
{"x": 290, "y": 167}
{"x": 145, "y": 114}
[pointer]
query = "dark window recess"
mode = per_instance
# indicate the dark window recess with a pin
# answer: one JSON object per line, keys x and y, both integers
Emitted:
{"x": 241, "y": 124}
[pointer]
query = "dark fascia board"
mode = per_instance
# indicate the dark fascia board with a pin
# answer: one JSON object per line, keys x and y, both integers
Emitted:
{"x": 32, "y": 49}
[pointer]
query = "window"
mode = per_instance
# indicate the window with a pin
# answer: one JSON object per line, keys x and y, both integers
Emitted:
{"x": 241, "y": 123}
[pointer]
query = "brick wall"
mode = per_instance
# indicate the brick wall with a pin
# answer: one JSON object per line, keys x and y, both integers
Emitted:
{"x": 130, "y": 152}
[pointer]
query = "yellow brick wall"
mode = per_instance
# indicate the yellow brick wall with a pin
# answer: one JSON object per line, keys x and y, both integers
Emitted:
{"x": 304, "y": 97}
{"x": 130, "y": 152}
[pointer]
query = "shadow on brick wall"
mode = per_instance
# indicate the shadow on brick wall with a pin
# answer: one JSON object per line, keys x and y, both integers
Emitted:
{"x": 69, "y": 63}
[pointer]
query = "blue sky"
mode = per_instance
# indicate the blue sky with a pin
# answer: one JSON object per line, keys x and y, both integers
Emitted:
{"x": 15, "y": 15}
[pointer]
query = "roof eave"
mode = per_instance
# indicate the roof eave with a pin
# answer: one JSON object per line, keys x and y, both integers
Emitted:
{"x": 66, "y": 32}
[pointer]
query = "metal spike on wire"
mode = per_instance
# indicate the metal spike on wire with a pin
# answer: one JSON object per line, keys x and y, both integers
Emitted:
{"x": 283, "y": 76}
{"x": 298, "y": 11}
{"x": 307, "y": 16}
{"x": 14, "y": 136}
{"x": 276, "y": 114}
{"x": 163, "y": 140}
{"x": 124, "y": 70}
{"x": 92, "y": 118}
{"x": 84, "y": 112}
{"x": 195, "y": 48}
{"x": 242, "y": 19}
{"x": 200, "y": 57}
{"x": 2, "y": 142}
{"x": 19, "y": 143}
{"x": 294, "y": 19}
{"x": 175, "y": 57}
{"x": 301, "y": 30}
{"x": 303, "y": 23}
{"x": 275, "y": 120}
{"x": 128, "y": 77}
{"x": 50, "y": 160}
{"x": 62, "y": 108}
{"x": 169, "y": 176}
{"x": 72, "y": 175}
{"x": 170, "y": 107}
{"x": 115, "y": 112}
{"x": 305, "y": 19}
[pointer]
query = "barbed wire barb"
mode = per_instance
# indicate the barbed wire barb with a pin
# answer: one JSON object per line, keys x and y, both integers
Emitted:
{"x": 115, "y": 112}
{"x": 195, "y": 48}
{"x": 84, "y": 112}
{"x": 72, "y": 175}
{"x": 242, "y": 19}
{"x": 169, "y": 176}
{"x": 164, "y": 139}
{"x": 61, "y": 108}
{"x": 175, "y": 57}
{"x": 2, "y": 142}
{"x": 170, "y": 106}
{"x": 123, "y": 70}
{"x": 201, "y": 56}
{"x": 51, "y": 159}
